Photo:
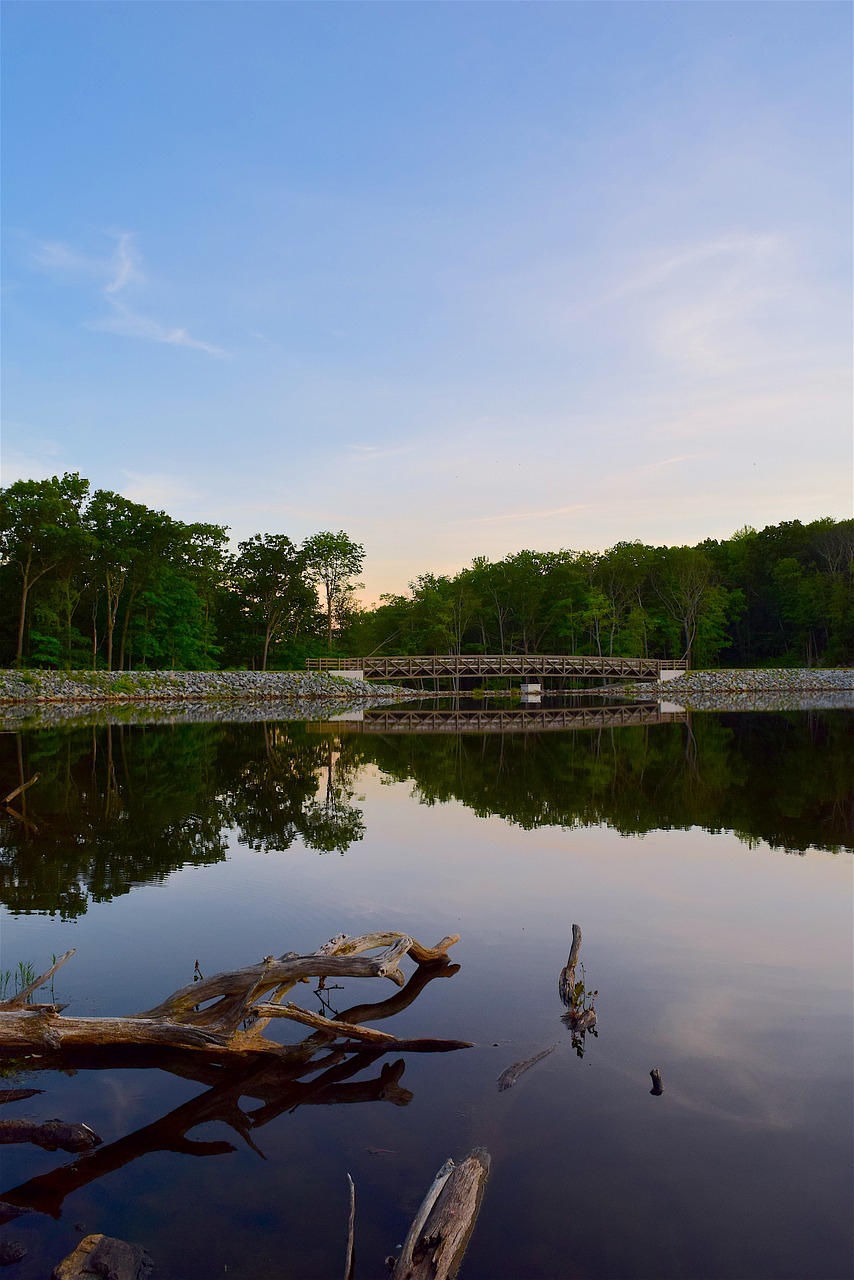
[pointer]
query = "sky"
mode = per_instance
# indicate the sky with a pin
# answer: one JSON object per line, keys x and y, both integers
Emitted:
{"x": 459, "y": 279}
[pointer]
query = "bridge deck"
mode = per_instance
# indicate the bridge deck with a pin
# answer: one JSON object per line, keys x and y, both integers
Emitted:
{"x": 433, "y": 666}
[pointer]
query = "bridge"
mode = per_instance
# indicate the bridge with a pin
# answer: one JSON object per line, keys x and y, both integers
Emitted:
{"x": 485, "y": 720}
{"x": 526, "y": 666}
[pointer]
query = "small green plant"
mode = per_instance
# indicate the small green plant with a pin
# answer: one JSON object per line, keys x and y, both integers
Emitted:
{"x": 123, "y": 685}
{"x": 19, "y": 978}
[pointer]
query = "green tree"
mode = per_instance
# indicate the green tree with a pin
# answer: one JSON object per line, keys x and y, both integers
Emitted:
{"x": 270, "y": 574}
{"x": 38, "y": 519}
{"x": 333, "y": 561}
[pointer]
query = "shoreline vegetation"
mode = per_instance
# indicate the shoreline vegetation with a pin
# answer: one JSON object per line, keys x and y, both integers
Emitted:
{"x": 94, "y": 581}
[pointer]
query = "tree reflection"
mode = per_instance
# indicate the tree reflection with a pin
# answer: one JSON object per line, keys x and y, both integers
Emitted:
{"x": 117, "y": 806}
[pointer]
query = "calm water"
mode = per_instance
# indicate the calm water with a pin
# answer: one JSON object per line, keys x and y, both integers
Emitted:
{"x": 708, "y": 863}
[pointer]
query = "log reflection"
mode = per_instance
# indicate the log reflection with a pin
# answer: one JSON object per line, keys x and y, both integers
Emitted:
{"x": 321, "y": 1070}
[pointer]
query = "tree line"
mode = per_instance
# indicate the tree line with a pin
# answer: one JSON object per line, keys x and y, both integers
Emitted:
{"x": 780, "y": 596}
{"x": 96, "y": 580}
{"x": 117, "y": 806}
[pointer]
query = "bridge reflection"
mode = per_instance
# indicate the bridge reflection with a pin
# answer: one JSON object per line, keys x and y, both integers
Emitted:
{"x": 505, "y": 720}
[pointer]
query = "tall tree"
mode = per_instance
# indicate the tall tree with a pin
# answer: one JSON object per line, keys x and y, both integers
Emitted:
{"x": 333, "y": 561}
{"x": 122, "y": 529}
{"x": 270, "y": 573}
{"x": 37, "y": 520}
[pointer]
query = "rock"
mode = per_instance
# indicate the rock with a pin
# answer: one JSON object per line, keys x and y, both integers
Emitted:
{"x": 106, "y": 1258}
{"x": 11, "y": 1251}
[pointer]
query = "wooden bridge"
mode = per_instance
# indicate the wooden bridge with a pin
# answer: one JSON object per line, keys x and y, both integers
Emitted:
{"x": 486, "y": 665}
{"x": 524, "y": 720}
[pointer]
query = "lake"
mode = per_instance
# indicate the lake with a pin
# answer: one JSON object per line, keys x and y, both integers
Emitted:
{"x": 708, "y": 861}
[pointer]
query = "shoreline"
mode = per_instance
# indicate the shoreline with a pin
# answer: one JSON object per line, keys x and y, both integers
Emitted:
{"x": 42, "y": 698}
{"x": 87, "y": 688}
{"x": 752, "y": 689}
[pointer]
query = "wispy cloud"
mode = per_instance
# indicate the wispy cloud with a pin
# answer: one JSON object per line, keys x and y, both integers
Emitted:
{"x": 130, "y": 324}
{"x": 378, "y": 452}
{"x": 126, "y": 271}
{"x": 118, "y": 273}
{"x": 544, "y": 514}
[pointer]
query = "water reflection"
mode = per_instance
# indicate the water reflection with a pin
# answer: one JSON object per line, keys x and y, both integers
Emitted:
{"x": 117, "y": 805}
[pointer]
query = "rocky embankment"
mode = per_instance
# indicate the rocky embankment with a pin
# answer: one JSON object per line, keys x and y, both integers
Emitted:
{"x": 293, "y": 694}
{"x": 767, "y": 690}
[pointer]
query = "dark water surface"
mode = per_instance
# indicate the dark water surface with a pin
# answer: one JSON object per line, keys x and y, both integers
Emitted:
{"x": 708, "y": 863}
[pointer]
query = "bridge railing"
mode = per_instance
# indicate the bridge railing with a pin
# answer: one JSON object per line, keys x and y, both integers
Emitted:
{"x": 491, "y": 664}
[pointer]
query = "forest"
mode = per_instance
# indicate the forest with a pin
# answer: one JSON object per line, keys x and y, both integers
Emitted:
{"x": 95, "y": 580}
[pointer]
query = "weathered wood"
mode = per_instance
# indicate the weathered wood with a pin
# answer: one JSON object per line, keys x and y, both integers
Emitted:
{"x": 227, "y": 1011}
{"x": 51, "y": 1134}
{"x": 336, "y": 1027}
{"x": 7, "y": 800}
{"x": 511, "y": 1074}
{"x": 566, "y": 981}
{"x": 231, "y": 1057}
{"x": 350, "y": 1260}
{"x": 235, "y": 992}
{"x": 440, "y": 1232}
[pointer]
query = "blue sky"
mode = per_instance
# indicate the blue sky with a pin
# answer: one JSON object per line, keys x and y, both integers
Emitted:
{"x": 457, "y": 278}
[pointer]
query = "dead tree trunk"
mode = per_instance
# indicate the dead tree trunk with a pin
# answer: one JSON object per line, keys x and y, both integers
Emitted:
{"x": 442, "y": 1227}
{"x": 228, "y": 1012}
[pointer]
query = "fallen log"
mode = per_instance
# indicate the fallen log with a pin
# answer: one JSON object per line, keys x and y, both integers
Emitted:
{"x": 336, "y": 1027}
{"x": 229, "y": 1011}
{"x": 440, "y": 1232}
{"x": 210, "y": 1032}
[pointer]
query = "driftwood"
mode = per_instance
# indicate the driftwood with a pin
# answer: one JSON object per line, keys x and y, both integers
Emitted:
{"x": 580, "y": 1015}
{"x": 320, "y": 1070}
{"x": 227, "y": 1011}
{"x": 566, "y": 981}
{"x": 511, "y": 1074}
{"x": 440, "y": 1232}
{"x": 7, "y": 800}
{"x": 6, "y": 805}
{"x": 579, "y": 1018}
{"x": 52, "y": 1135}
{"x": 350, "y": 1260}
